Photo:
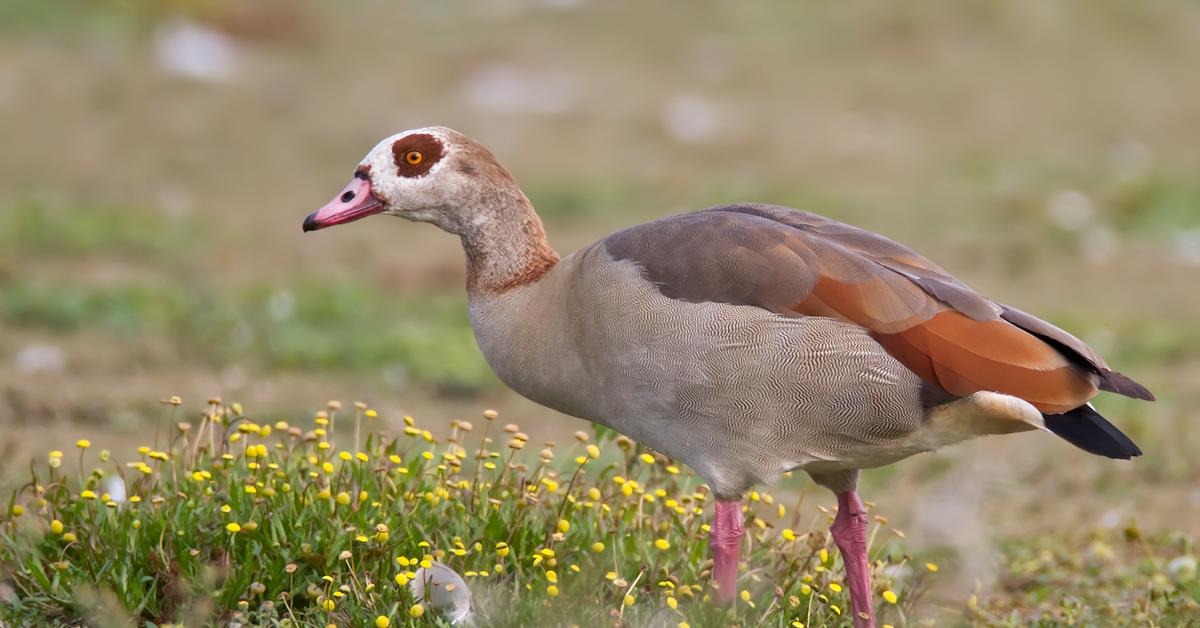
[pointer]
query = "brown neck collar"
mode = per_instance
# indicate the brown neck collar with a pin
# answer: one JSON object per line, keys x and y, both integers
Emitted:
{"x": 507, "y": 250}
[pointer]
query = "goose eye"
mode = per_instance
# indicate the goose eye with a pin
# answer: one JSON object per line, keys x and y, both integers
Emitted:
{"x": 414, "y": 157}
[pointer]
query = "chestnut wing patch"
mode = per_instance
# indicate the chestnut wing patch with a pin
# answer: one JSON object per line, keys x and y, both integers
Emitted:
{"x": 794, "y": 263}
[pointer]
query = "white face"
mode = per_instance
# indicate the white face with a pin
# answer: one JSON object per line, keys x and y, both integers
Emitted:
{"x": 410, "y": 172}
{"x": 419, "y": 175}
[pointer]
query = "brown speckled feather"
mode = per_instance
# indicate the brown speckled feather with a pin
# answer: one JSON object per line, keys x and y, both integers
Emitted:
{"x": 796, "y": 263}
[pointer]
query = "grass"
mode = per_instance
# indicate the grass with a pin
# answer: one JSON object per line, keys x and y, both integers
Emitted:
{"x": 227, "y": 519}
{"x": 231, "y": 519}
{"x": 311, "y": 325}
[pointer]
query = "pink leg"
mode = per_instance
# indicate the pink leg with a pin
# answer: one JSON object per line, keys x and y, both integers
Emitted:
{"x": 850, "y": 533}
{"x": 725, "y": 541}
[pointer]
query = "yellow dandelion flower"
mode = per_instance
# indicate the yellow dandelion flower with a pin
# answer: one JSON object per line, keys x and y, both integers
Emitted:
{"x": 233, "y": 527}
{"x": 343, "y": 498}
{"x": 416, "y": 610}
{"x": 824, "y": 555}
{"x": 552, "y": 591}
{"x": 932, "y": 567}
{"x": 837, "y": 610}
{"x": 662, "y": 544}
{"x": 83, "y": 443}
{"x": 646, "y": 458}
{"x": 362, "y": 458}
{"x": 629, "y": 600}
{"x": 382, "y": 622}
{"x": 564, "y": 526}
{"x": 890, "y": 596}
{"x": 683, "y": 624}
{"x": 69, "y": 537}
{"x": 593, "y": 493}
{"x": 551, "y": 575}
{"x": 328, "y": 605}
{"x": 745, "y": 595}
{"x": 56, "y": 527}
{"x": 87, "y": 494}
{"x": 597, "y": 547}
{"x": 593, "y": 451}
{"x": 835, "y": 587}
{"x": 673, "y": 603}
{"x": 401, "y": 579}
{"x": 17, "y": 510}
{"x": 788, "y": 534}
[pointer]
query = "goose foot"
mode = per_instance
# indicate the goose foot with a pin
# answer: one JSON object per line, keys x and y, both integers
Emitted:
{"x": 725, "y": 541}
{"x": 849, "y": 531}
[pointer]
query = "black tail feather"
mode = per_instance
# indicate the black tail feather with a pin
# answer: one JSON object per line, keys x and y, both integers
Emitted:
{"x": 1087, "y": 430}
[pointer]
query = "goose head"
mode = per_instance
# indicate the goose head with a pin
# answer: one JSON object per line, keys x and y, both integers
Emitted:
{"x": 434, "y": 174}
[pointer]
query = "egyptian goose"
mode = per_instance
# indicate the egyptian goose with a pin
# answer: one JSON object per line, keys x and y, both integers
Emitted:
{"x": 744, "y": 340}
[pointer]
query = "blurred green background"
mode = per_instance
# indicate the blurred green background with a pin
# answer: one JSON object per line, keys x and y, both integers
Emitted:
{"x": 158, "y": 158}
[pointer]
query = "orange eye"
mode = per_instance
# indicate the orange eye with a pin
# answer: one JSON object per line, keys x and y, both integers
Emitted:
{"x": 414, "y": 157}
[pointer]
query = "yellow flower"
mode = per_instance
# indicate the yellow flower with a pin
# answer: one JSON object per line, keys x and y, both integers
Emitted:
{"x": 362, "y": 457}
{"x": 87, "y": 495}
{"x": 328, "y": 605}
{"x": 597, "y": 547}
{"x": 745, "y": 595}
{"x": 69, "y": 537}
{"x": 788, "y": 534}
{"x": 890, "y": 597}
{"x": 672, "y": 603}
{"x": 382, "y": 622}
{"x": 835, "y": 587}
{"x": 662, "y": 544}
{"x": 417, "y": 610}
{"x": 593, "y": 494}
{"x": 684, "y": 624}
{"x": 343, "y": 498}
{"x": 233, "y": 527}
{"x": 564, "y": 526}
{"x": 56, "y": 526}
{"x": 83, "y": 443}
{"x": 345, "y": 455}
{"x": 18, "y": 510}
{"x": 552, "y": 591}
{"x": 646, "y": 458}
{"x": 551, "y": 575}
{"x": 932, "y": 567}
{"x": 628, "y": 600}
{"x": 401, "y": 579}
{"x": 593, "y": 451}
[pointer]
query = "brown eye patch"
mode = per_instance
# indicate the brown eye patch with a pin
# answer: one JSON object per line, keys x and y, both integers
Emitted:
{"x": 416, "y": 154}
